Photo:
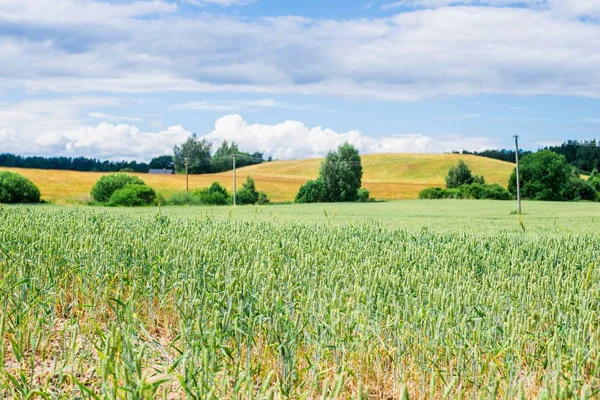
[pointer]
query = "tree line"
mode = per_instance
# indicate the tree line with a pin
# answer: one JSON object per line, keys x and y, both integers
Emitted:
{"x": 583, "y": 155}
{"x": 198, "y": 154}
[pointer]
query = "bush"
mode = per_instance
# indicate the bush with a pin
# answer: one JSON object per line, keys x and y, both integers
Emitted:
{"x": 363, "y": 195}
{"x": 215, "y": 195}
{"x": 475, "y": 191}
{"x": 594, "y": 180}
{"x": 245, "y": 197}
{"x": 262, "y": 199}
{"x": 133, "y": 195}
{"x": 183, "y": 199}
{"x": 109, "y": 184}
{"x": 496, "y": 192}
{"x": 580, "y": 190}
{"x": 312, "y": 192}
{"x": 15, "y": 188}
{"x": 435, "y": 193}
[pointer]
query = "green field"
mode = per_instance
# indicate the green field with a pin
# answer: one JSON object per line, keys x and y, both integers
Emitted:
{"x": 437, "y": 299}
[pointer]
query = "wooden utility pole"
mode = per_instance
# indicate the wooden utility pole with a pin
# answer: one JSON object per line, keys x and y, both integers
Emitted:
{"x": 518, "y": 177}
{"x": 187, "y": 183}
{"x": 234, "y": 181}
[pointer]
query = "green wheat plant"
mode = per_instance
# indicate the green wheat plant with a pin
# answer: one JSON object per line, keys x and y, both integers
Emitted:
{"x": 104, "y": 306}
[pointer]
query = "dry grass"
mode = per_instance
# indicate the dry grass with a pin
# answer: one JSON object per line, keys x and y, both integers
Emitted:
{"x": 387, "y": 176}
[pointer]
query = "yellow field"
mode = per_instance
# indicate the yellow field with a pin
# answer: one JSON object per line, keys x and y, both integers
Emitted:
{"x": 387, "y": 176}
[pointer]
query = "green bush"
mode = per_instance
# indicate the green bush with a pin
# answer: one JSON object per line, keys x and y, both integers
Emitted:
{"x": 133, "y": 195}
{"x": 312, "y": 192}
{"x": 364, "y": 195}
{"x": 215, "y": 195}
{"x": 495, "y": 192}
{"x": 183, "y": 199}
{"x": 15, "y": 188}
{"x": 475, "y": 191}
{"x": 245, "y": 197}
{"x": 580, "y": 190}
{"x": 262, "y": 199}
{"x": 435, "y": 193}
{"x": 109, "y": 184}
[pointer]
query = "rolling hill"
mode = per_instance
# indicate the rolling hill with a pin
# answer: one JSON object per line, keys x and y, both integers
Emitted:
{"x": 387, "y": 176}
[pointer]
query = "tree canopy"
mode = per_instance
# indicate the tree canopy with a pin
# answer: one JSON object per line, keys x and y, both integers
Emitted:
{"x": 339, "y": 179}
{"x": 544, "y": 175}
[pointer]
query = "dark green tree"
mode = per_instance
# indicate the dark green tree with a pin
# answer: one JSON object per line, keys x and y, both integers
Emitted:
{"x": 544, "y": 175}
{"x": 341, "y": 173}
{"x": 197, "y": 151}
{"x": 162, "y": 162}
{"x": 222, "y": 160}
{"x": 460, "y": 175}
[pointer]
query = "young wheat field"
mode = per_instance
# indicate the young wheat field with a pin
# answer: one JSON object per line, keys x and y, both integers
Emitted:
{"x": 253, "y": 304}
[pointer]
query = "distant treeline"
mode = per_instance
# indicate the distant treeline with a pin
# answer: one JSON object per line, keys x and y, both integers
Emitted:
{"x": 585, "y": 156}
{"x": 71, "y": 164}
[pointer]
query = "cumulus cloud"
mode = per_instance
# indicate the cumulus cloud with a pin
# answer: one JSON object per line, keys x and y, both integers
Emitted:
{"x": 54, "y": 127}
{"x": 116, "y": 142}
{"x": 293, "y": 139}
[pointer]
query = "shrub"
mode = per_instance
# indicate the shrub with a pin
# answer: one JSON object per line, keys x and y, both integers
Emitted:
{"x": 109, "y": 184}
{"x": 183, "y": 199}
{"x": 244, "y": 197}
{"x": 215, "y": 195}
{"x": 473, "y": 191}
{"x": 435, "y": 193}
{"x": 15, "y": 188}
{"x": 262, "y": 199}
{"x": 312, "y": 192}
{"x": 594, "y": 179}
{"x": 133, "y": 195}
{"x": 579, "y": 190}
{"x": 496, "y": 192}
{"x": 363, "y": 195}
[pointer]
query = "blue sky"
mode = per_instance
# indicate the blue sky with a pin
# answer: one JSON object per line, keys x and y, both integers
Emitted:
{"x": 129, "y": 78}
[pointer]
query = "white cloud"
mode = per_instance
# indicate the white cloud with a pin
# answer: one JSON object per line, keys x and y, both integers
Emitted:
{"x": 54, "y": 127}
{"x": 456, "y": 51}
{"x": 115, "y": 142}
{"x": 293, "y": 139}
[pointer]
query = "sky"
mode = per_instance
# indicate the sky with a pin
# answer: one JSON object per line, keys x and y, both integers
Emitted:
{"x": 129, "y": 79}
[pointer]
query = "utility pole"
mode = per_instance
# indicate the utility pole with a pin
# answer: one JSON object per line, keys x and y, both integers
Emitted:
{"x": 187, "y": 183}
{"x": 518, "y": 177}
{"x": 234, "y": 181}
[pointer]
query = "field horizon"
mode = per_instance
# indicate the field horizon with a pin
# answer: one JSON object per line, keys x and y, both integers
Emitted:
{"x": 387, "y": 176}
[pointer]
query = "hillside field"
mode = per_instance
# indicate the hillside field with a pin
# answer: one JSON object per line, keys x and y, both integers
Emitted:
{"x": 387, "y": 176}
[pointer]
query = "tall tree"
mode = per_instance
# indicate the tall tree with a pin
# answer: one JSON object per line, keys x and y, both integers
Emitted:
{"x": 544, "y": 175}
{"x": 197, "y": 152}
{"x": 341, "y": 173}
{"x": 222, "y": 159}
{"x": 459, "y": 175}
